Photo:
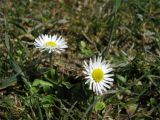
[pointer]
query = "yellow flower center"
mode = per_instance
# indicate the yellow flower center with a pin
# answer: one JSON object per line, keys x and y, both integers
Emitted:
{"x": 98, "y": 74}
{"x": 50, "y": 44}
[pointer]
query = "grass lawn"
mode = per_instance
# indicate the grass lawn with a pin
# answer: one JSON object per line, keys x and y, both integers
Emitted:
{"x": 36, "y": 85}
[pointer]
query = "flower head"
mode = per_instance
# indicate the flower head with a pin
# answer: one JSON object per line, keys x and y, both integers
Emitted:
{"x": 98, "y": 75}
{"x": 51, "y": 43}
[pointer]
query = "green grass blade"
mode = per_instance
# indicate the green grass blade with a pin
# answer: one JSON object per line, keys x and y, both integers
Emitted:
{"x": 117, "y": 5}
{"x": 9, "y": 81}
{"x": 7, "y": 42}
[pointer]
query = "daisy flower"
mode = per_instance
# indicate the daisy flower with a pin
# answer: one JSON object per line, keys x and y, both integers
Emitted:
{"x": 51, "y": 43}
{"x": 97, "y": 75}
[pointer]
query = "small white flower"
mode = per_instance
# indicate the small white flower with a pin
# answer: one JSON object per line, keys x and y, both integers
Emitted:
{"x": 51, "y": 43}
{"x": 97, "y": 75}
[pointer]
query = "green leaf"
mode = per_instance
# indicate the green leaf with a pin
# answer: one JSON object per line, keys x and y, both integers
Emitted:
{"x": 131, "y": 108}
{"x": 153, "y": 102}
{"x": 47, "y": 101}
{"x": 34, "y": 89}
{"x": 42, "y": 83}
{"x": 47, "y": 98}
{"x": 82, "y": 44}
{"x": 67, "y": 84}
{"x": 99, "y": 106}
{"x": 52, "y": 72}
{"x": 121, "y": 78}
{"x": 87, "y": 52}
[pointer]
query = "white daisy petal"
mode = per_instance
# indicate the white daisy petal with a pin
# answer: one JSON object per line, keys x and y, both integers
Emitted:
{"x": 107, "y": 82}
{"x": 106, "y": 85}
{"x": 102, "y": 87}
{"x": 108, "y": 70}
{"x": 90, "y": 86}
{"x": 109, "y": 79}
{"x": 97, "y": 91}
{"x": 98, "y": 75}
{"x": 99, "y": 88}
{"x": 50, "y": 43}
{"x": 94, "y": 87}
{"x": 87, "y": 81}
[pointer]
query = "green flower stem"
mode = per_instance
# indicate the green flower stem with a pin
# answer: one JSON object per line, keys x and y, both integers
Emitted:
{"x": 95, "y": 100}
{"x": 50, "y": 59}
